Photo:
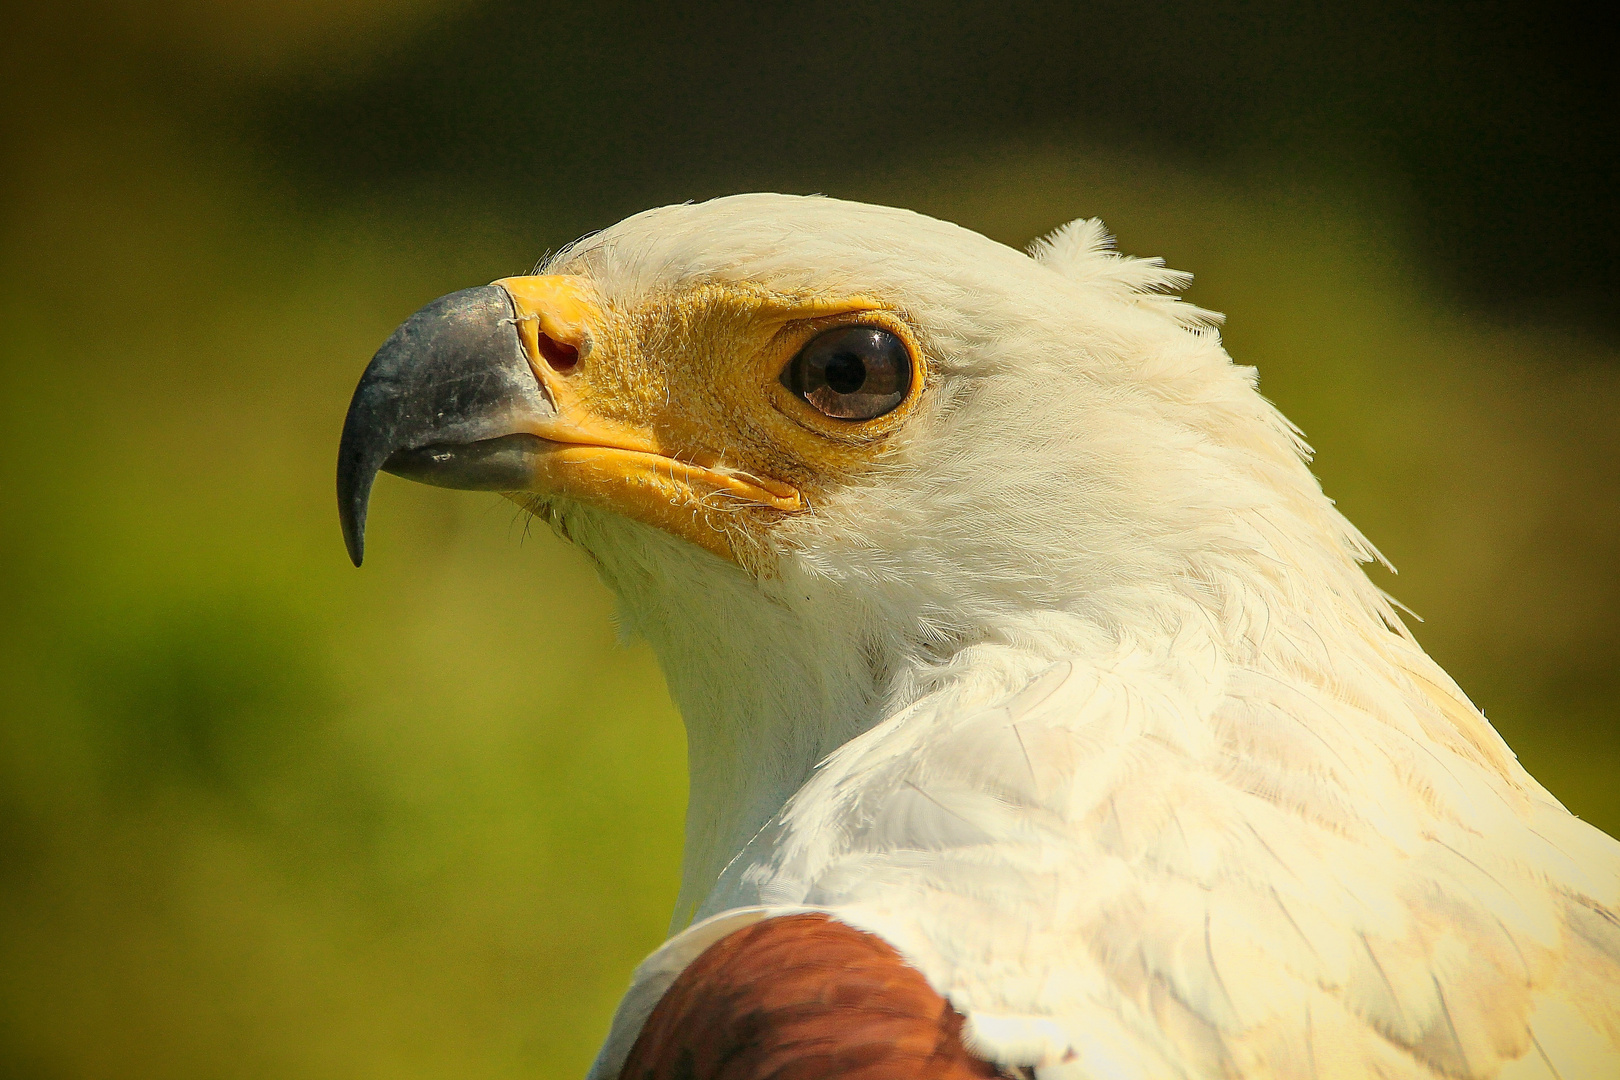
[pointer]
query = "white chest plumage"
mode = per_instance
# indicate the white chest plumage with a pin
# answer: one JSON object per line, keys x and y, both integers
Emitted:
{"x": 1157, "y": 863}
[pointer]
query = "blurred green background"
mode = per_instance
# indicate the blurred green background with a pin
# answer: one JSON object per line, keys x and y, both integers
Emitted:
{"x": 263, "y": 815}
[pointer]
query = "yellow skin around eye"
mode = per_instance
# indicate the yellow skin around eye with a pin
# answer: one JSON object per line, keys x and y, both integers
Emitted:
{"x": 675, "y": 415}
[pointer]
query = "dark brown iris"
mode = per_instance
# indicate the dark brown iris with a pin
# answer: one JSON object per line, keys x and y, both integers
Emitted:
{"x": 851, "y": 372}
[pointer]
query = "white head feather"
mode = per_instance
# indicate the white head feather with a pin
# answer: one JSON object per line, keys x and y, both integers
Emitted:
{"x": 1090, "y": 480}
{"x": 1089, "y": 461}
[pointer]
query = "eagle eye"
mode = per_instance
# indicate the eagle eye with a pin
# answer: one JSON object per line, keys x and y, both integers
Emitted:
{"x": 851, "y": 372}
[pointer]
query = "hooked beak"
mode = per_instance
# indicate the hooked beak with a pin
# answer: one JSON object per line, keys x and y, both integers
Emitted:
{"x": 492, "y": 389}
{"x": 449, "y": 400}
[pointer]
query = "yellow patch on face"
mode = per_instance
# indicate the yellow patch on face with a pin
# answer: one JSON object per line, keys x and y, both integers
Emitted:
{"x": 674, "y": 414}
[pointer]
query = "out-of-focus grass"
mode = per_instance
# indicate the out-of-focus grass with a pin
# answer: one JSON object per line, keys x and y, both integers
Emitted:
{"x": 264, "y": 815}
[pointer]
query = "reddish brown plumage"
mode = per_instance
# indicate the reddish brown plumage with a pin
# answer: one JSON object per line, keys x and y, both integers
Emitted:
{"x": 802, "y": 997}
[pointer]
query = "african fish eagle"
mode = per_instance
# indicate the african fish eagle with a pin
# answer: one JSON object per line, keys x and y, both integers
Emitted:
{"x": 1042, "y": 721}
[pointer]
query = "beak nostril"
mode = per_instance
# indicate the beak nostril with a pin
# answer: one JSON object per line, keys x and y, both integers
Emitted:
{"x": 561, "y": 356}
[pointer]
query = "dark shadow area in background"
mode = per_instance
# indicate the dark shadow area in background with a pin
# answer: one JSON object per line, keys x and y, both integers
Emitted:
{"x": 1497, "y": 119}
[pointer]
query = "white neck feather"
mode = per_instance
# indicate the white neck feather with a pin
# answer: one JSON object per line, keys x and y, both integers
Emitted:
{"x": 772, "y": 677}
{"x": 765, "y": 693}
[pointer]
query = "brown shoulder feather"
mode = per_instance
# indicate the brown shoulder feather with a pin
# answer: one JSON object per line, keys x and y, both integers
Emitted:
{"x": 802, "y": 997}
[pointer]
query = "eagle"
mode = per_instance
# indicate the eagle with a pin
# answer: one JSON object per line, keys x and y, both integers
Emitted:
{"x": 1042, "y": 719}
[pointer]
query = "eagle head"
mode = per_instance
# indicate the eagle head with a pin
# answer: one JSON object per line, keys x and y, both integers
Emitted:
{"x": 822, "y": 451}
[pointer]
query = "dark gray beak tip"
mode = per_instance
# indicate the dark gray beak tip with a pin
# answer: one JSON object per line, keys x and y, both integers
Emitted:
{"x": 354, "y": 498}
{"x": 453, "y": 375}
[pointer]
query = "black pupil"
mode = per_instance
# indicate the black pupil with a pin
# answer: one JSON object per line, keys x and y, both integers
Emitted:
{"x": 846, "y": 373}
